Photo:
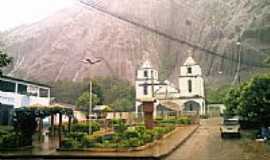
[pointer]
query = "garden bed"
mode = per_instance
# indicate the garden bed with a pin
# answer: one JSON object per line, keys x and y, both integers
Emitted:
{"x": 122, "y": 149}
{"x": 123, "y": 138}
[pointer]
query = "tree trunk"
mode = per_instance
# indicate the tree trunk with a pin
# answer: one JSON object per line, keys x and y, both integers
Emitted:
{"x": 40, "y": 128}
{"x": 60, "y": 130}
{"x": 52, "y": 125}
{"x": 69, "y": 123}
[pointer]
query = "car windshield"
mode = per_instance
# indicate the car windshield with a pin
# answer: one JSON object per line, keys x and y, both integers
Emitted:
{"x": 231, "y": 122}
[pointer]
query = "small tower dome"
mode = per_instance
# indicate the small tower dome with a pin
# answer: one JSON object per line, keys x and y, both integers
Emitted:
{"x": 190, "y": 61}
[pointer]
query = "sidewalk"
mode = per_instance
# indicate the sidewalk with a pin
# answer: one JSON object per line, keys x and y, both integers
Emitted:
{"x": 162, "y": 149}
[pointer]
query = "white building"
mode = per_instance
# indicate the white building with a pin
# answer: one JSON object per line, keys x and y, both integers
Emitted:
{"x": 191, "y": 85}
{"x": 189, "y": 96}
{"x": 16, "y": 93}
{"x": 146, "y": 82}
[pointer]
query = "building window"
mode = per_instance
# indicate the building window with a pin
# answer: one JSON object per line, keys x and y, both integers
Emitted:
{"x": 191, "y": 107}
{"x": 189, "y": 86}
{"x": 189, "y": 70}
{"x": 152, "y": 74}
{"x": 22, "y": 89}
{"x": 43, "y": 92}
{"x": 145, "y": 74}
{"x": 6, "y": 86}
{"x": 145, "y": 89}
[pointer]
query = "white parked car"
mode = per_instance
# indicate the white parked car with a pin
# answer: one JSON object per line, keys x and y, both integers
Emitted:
{"x": 230, "y": 127}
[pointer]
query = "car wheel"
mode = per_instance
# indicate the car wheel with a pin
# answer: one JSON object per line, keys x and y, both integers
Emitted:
{"x": 238, "y": 135}
{"x": 222, "y": 135}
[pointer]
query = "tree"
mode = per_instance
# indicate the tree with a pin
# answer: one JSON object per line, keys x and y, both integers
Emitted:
{"x": 216, "y": 95}
{"x": 4, "y": 60}
{"x": 122, "y": 105}
{"x": 82, "y": 102}
{"x": 254, "y": 102}
{"x": 231, "y": 101}
{"x": 108, "y": 90}
{"x": 117, "y": 93}
{"x": 68, "y": 91}
{"x": 251, "y": 101}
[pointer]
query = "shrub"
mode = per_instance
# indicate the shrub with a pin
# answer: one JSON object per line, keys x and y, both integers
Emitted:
{"x": 78, "y": 136}
{"x": 134, "y": 142}
{"x": 131, "y": 134}
{"x": 184, "y": 120}
{"x": 9, "y": 141}
{"x": 148, "y": 136}
{"x": 84, "y": 127}
{"x": 5, "y": 130}
{"x": 119, "y": 126}
{"x": 170, "y": 121}
{"x": 158, "y": 132}
{"x": 140, "y": 129}
{"x": 70, "y": 143}
{"x": 88, "y": 142}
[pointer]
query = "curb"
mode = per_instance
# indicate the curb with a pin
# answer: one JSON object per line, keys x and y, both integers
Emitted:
{"x": 178, "y": 145}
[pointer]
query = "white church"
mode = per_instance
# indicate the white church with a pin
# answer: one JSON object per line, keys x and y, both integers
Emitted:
{"x": 188, "y": 96}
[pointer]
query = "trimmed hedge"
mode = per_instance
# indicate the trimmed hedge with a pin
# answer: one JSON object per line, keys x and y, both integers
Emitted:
{"x": 84, "y": 127}
{"x": 182, "y": 120}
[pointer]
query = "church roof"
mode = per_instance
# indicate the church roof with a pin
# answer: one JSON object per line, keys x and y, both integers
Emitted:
{"x": 190, "y": 61}
{"x": 147, "y": 64}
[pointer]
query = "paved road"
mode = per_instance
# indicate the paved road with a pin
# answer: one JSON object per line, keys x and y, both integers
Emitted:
{"x": 206, "y": 144}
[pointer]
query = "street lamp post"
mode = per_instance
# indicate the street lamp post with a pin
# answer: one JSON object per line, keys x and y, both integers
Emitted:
{"x": 90, "y": 106}
{"x": 237, "y": 75}
{"x": 239, "y": 64}
{"x": 89, "y": 61}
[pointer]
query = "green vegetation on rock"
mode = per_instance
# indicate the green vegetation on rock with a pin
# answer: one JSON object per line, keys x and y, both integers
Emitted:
{"x": 4, "y": 60}
{"x": 216, "y": 95}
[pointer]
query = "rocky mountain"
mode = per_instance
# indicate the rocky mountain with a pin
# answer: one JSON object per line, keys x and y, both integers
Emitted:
{"x": 124, "y": 32}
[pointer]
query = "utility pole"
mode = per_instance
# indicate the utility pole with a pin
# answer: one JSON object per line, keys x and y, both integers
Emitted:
{"x": 90, "y": 106}
{"x": 152, "y": 83}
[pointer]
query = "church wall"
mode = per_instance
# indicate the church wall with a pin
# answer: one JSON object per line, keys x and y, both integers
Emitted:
{"x": 197, "y": 89}
{"x": 196, "y": 70}
{"x": 141, "y": 74}
{"x": 201, "y": 102}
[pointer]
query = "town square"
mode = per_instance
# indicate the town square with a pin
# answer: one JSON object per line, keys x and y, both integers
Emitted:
{"x": 135, "y": 79}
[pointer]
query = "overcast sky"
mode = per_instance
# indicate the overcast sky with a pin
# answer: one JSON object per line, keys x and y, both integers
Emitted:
{"x": 18, "y": 12}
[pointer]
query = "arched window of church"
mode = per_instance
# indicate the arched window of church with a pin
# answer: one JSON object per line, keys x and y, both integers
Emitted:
{"x": 145, "y": 89}
{"x": 191, "y": 107}
{"x": 189, "y": 70}
{"x": 145, "y": 74}
{"x": 190, "y": 86}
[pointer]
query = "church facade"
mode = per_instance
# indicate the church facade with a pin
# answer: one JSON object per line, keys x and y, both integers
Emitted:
{"x": 188, "y": 96}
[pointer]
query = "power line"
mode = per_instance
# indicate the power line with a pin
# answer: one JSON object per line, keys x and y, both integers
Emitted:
{"x": 94, "y": 5}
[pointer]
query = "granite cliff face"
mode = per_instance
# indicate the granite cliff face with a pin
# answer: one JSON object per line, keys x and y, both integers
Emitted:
{"x": 122, "y": 32}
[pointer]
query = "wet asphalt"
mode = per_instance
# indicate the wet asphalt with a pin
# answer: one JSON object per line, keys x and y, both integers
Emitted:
{"x": 206, "y": 144}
